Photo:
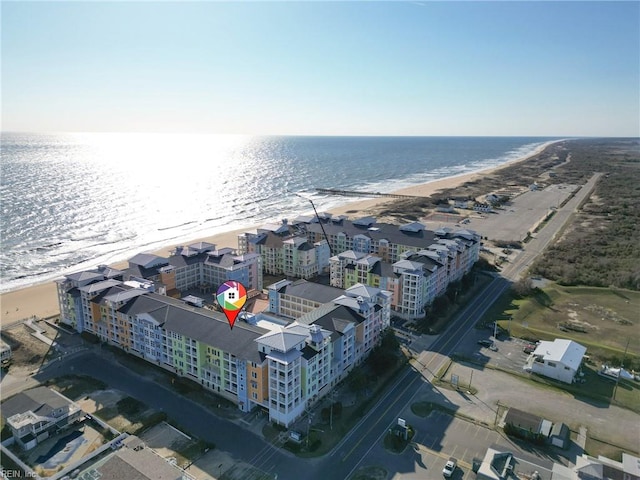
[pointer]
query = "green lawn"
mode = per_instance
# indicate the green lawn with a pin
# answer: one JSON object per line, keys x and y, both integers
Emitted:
{"x": 604, "y": 320}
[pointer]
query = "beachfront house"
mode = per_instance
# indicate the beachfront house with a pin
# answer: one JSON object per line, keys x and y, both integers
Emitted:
{"x": 36, "y": 414}
{"x": 134, "y": 461}
{"x": 559, "y": 360}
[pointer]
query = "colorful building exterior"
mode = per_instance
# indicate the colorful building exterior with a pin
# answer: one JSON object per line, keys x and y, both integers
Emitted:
{"x": 286, "y": 251}
{"x": 417, "y": 277}
{"x": 283, "y": 368}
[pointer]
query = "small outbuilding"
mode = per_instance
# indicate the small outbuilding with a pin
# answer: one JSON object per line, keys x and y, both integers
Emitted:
{"x": 559, "y": 435}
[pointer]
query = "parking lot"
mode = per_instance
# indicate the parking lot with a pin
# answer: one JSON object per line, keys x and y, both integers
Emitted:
{"x": 438, "y": 437}
{"x": 462, "y": 439}
{"x": 521, "y": 214}
{"x": 509, "y": 352}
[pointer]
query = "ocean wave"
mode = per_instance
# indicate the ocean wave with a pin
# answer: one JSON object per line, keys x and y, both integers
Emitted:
{"x": 73, "y": 201}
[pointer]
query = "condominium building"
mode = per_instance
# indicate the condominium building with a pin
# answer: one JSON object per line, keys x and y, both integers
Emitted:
{"x": 294, "y": 299}
{"x": 286, "y": 251}
{"x": 204, "y": 267}
{"x": 365, "y": 235}
{"x": 199, "y": 266}
{"x": 417, "y": 277}
{"x": 283, "y": 368}
{"x": 363, "y": 250}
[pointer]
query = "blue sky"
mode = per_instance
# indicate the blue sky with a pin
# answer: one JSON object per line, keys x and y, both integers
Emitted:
{"x": 323, "y": 68}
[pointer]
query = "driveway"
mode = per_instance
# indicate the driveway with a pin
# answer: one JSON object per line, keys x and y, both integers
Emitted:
{"x": 606, "y": 422}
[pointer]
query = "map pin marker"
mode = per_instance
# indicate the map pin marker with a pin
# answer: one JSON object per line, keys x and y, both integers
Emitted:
{"x": 231, "y": 297}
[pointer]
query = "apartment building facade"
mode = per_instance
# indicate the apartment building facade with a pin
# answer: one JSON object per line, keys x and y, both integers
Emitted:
{"x": 286, "y": 251}
{"x": 204, "y": 266}
{"x": 417, "y": 277}
{"x": 281, "y": 369}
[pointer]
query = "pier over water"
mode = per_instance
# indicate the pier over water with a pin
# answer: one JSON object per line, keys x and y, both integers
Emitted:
{"x": 356, "y": 193}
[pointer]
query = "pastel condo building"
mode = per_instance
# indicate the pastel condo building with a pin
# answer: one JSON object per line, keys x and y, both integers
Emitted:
{"x": 311, "y": 335}
{"x": 279, "y": 363}
{"x": 415, "y": 264}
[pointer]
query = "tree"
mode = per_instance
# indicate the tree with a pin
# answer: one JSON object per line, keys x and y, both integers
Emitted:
{"x": 523, "y": 287}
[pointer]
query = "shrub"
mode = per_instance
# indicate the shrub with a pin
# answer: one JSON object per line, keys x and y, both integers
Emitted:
{"x": 129, "y": 406}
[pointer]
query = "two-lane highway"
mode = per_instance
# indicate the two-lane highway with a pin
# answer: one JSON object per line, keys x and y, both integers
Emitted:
{"x": 350, "y": 452}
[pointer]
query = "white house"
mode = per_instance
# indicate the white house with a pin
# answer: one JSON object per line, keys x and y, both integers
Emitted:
{"x": 559, "y": 359}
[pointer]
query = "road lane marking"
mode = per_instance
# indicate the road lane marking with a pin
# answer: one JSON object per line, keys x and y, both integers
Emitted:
{"x": 497, "y": 286}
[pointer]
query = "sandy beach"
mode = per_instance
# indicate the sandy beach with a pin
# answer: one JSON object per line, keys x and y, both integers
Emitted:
{"x": 41, "y": 300}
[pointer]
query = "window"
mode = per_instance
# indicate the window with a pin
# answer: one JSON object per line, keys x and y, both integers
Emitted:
{"x": 551, "y": 364}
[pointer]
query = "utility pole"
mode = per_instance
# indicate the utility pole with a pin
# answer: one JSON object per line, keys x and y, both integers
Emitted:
{"x": 624, "y": 357}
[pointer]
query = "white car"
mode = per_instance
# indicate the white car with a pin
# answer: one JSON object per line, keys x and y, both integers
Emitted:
{"x": 449, "y": 467}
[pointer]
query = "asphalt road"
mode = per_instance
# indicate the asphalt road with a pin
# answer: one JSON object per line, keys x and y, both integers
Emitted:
{"x": 251, "y": 448}
{"x": 355, "y": 447}
{"x": 195, "y": 418}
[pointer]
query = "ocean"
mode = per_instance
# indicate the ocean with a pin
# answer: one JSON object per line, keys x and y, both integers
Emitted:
{"x": 74, "y": 201}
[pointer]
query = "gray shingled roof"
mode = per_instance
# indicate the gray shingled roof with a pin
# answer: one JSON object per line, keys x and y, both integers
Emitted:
{"x": 206, "y": 326}
{"x": 282, "y": 340}
{"x": 40, "y": 400}
{"x": 148, "y": 260}
{"x": 365, "y": 291}
{"x": 85, "y": 276}
{"x": 183, "y": 260}
{"x": 333, "y": 318}
{"x": 136, "y": 465}
{"x": 315, "y": 292}
{"x": 386, "y": 231}
{"x": 99, "y": 286}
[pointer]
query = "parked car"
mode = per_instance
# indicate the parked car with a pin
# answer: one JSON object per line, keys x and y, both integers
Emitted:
{"x": 449, "y": 467}
{"x": 485, "y": 343}
{"x": 529, "y": 348}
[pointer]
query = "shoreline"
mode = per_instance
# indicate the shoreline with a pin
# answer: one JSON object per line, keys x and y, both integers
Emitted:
{"x": 41, "y": 299}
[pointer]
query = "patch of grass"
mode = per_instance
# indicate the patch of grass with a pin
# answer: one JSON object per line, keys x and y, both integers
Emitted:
{"x": 471, "y": 390}
{"x": 370, "y": 473}
{"x": 270, "y": 433}
{"x": 75, "y": 386}
{"x": 397, "y": 444}
{"x": 602, "y": 319}
{"x": 194, "y": 450}
{"x": 423, "y": 409}
{"x": 444, "y": 369}
{"x": 129, "y": 406}
{"x": 595, "y": 448}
